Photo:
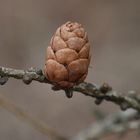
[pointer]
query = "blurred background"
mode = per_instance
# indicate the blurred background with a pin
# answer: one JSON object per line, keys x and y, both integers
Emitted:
{"x": 26, "y": 27}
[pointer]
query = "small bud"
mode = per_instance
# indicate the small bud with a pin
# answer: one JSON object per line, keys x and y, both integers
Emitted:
{"x": 124, "y": 106}
{"x": 98, "y": 101}
{"x": 69, "y": 93}
{"x": 27, "y": 79}
{"x": 3, "y": 80}
{"x": 105, "y": 88}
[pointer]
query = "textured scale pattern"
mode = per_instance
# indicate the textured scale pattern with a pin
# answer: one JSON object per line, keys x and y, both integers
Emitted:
{"x": 67, "y": 56}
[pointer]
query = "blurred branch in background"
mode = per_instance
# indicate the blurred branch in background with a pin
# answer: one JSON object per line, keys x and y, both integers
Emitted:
{"x": 117, "y": 123}
{"x": 24, "y": 116}
{"x": 104, "y": 92}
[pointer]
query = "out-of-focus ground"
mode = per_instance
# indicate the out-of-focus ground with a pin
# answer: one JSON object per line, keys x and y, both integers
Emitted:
{"x": 26, "y": 27}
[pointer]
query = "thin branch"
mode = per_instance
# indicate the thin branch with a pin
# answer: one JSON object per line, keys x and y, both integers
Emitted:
{"x": 26, "y": 75}
{"x": 104, "y": 92}
{"x": 24, "y": 116}
{"x": 116, "y": 123}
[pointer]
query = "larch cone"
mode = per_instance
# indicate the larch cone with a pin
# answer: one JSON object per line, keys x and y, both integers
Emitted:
{"x": 67, "y": 56}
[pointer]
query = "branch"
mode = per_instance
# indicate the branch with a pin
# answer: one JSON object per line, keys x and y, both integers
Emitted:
{"x": 26, "y": 75}
{"x": 104, "y": 92}
{"x": 117, "y": 123}
{"x": 24, "y": 116}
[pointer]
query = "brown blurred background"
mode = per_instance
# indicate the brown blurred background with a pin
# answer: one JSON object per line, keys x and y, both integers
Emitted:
{"x": 26, "y": 27}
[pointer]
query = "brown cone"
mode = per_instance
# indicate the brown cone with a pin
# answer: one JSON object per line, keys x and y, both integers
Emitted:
{"x": 67, "y": 56}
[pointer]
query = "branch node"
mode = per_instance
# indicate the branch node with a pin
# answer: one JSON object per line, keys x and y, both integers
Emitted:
{"x": 98, "y": 101}
{"x": 69, "y": 93}
{"x": 105, "y": 88}
{"x": 3, "y": 80}
{"x": 27, "y": 79}
{"x": 124, "y": 106}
